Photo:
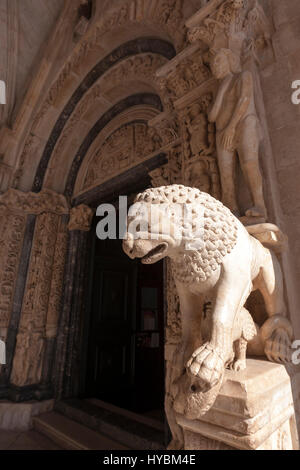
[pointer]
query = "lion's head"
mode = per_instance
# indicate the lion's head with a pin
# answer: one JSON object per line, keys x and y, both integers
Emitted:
{"x": 191, "y": 227}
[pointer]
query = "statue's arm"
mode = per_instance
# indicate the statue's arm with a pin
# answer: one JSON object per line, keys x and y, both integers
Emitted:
{"x": 244, "y": 100}
{"x": 216, "y": 108}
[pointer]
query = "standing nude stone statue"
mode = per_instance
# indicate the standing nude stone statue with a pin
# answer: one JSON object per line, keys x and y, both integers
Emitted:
{"x": 237, "y": 131}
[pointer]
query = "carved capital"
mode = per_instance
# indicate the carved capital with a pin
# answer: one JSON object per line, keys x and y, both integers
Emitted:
{"x": 184, "y": 73}
{"x": 81, "y": 218}
{"x": 34, "y": 203}
{"x": 239, "y": 25}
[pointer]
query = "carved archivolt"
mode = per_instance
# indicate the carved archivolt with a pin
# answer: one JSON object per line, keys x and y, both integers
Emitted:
{"x": 141, "y": 67}
{"x": 167, "y": 14}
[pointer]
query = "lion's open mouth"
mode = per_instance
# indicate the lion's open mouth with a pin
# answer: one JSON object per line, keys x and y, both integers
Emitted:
{"x": 155, "y": 254}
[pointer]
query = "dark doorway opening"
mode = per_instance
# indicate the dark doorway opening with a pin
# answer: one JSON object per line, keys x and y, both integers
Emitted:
{"x": 125, "y": 354}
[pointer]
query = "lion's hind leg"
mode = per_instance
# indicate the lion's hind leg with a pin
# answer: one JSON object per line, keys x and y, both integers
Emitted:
{"x": 276, "y": 332}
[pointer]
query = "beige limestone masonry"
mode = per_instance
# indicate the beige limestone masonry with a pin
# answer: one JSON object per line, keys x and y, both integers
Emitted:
{"x": 262, "y": 136}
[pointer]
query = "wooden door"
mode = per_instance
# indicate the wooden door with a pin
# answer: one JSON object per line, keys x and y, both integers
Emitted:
{"x": 112, "y": 326}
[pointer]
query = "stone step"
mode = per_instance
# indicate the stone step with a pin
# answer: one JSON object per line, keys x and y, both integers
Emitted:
{"x": 151, "y": 422}
{"x": 133, "y": 431}
{"x": 71, "y": 435}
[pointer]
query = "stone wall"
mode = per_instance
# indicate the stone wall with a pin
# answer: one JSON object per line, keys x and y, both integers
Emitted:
{"x": 283, "y": 118}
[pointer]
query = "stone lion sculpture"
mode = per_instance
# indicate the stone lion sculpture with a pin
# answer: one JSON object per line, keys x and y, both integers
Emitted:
{"x": 212, "y": 256}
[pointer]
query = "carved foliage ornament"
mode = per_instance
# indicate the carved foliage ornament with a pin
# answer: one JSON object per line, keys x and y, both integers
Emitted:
{"x": 34, "y": 203}
{"x": 27, "y": 363}
{"x": 240, "y": 25}
{"x": 170, "y": 173}
{"x": 12, "y": 227}
{"x": 167, "y": 126}
{"x": 81, "y": 218}
{"x": 187, "y": 75}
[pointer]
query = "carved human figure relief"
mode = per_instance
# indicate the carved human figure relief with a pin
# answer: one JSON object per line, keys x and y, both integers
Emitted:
{"x": 225, "y": 265}
{"x": 237, "y": 131}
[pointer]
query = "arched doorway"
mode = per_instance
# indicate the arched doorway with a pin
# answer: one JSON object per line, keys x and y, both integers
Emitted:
{"x": 125, "y": 337}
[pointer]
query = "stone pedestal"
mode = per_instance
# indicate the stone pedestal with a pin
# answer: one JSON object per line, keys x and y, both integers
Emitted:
{"x": 255, "y": 410}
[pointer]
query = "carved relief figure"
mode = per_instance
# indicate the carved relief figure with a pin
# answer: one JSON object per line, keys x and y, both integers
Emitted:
{"x": 210, "y": 269}
{"x": 198, "y": 176}
{"x": 237, "y": 131}
{"x": 201, "y": 142}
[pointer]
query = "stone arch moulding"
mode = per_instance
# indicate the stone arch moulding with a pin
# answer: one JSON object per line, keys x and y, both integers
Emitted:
{"x": 150, "y": 45}
{"x": 131, "y": 101}
{"x": 136, "y": 114}
{"x": 132, "y": 75}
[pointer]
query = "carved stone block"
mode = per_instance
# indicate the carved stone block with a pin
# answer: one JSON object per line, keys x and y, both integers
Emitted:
{"x": 254, "y": 411}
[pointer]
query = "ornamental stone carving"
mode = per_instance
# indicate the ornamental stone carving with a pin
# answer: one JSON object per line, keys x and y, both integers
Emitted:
{"x": 184, "y": 76}
{"x": 167, "y": 127}
{"x": 57, "y": 281}
{"x": 12, "y": 227}
{"x": 124, "y": 148}
{"x": 15, "y": 206}
{"x": 198, "y": 132}
{"x": 34, "y": 203}
{"x": 206, "y": 275}
{"x": 28, "y": 358}
{"x": 81, "y": 218}
{"x": 239, "y": 25}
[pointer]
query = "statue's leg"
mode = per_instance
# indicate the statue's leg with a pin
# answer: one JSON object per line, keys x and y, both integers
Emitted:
{"x": 248, "y": 150}
{"x": 226, "y": 163}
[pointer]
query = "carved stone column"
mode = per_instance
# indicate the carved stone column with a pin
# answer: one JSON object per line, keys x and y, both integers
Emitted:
{"x": 66, "y": 368}
{"x": 34, "y": 334}
{"x": 12, "y": 229}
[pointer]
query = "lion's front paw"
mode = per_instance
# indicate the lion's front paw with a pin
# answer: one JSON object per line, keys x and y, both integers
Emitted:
{"x": 238, "y": 365}
{"x": 278, "y": 347}
{"x": 207, "y": 365}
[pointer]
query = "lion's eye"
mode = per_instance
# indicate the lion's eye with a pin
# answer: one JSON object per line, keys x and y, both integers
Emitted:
{"x": 138, "y": 228}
